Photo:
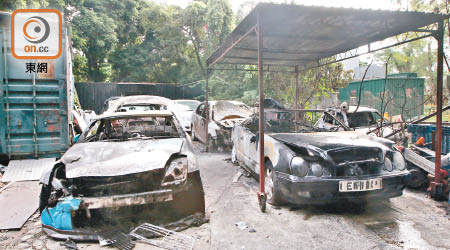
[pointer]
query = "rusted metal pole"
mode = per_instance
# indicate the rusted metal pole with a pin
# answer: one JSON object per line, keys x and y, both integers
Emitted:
{"x": 297, "y": 92}
{"x": 207, "y": 109}
{"x": 262, "y": 170}
{"x": 437, "y": 185}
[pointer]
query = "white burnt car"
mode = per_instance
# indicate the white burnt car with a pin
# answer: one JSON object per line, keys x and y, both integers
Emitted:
{"x": 138, "y": 103}
{"x": 183, "y": 110}
{"x": 127, "y": 168}
{"x": 223, "y": 115}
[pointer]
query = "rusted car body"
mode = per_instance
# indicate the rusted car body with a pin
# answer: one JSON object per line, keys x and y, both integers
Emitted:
{"x": 309, "y": 165}
{"x": 223, "y": 115}
{"x": 137, "y": 103}
{"x": 127, "y": 168}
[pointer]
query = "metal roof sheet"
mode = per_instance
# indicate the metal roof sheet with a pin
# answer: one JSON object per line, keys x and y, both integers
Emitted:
{"x": 300, "y": 35}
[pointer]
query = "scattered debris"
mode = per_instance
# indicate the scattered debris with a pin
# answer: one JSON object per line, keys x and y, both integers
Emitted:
{"x": 70, "y": 244}
{"x": 115, "y": 238}
{"x": 194, "y": 220}
{"x": 27, "y": 170}
{"x": 237, "y": 176}
{"x": 241, "y": 225}
{"x": 23, "y": 201}
{"x": 252, "y": 230}
{"x": 166, "y": 239}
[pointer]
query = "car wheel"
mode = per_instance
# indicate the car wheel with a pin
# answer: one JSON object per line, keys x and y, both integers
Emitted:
{"x": 271, "y": 187}
{"x": 234, "y": 155}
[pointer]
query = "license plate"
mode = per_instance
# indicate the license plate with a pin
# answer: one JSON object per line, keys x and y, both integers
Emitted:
{"x": 360, "y": 185}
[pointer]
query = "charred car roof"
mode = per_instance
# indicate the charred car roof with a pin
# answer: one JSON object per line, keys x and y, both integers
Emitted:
{"x": 135, "y": 114}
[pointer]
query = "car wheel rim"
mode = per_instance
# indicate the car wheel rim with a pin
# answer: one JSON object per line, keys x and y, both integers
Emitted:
{"x": 269, "y": 184}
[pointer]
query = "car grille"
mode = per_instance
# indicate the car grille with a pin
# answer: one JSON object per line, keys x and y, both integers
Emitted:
{"x": 356, "y": 161}
{"x": 117, "y": 185}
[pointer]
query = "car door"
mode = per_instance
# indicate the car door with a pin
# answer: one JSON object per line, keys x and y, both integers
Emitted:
{"x": 248, "y": 144}
{"x": 198, "y": 122}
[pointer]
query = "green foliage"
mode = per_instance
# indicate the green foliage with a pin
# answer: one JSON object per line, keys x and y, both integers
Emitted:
{"x": 80, "y": 68}
{"x": 144, "y": 41}
{"x": 419, "y": 56}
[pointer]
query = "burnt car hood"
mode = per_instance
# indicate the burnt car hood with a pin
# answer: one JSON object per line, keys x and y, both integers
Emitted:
{"x": 332, "y": 140}
{"x": 119, "y": 158}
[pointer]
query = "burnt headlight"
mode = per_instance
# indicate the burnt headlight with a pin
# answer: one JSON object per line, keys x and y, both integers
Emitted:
{"x": 387, "y": 164}
{"x": 316, "y": 169}
{"x": 299, "y": 166}
{"x": 176, "y": 172}
{"x": 399, "y": 161}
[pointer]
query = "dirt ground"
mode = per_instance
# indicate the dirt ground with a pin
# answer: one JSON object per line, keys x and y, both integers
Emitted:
{"x": 411, "y": 221}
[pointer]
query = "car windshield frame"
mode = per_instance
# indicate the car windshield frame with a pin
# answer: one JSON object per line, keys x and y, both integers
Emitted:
{"x": 277, "y": 120}
{"x": 102, "y": 124}
{"x": 373, "y": 122}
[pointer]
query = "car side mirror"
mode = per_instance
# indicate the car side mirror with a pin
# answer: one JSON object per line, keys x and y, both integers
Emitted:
{"x": 253, "y": 139}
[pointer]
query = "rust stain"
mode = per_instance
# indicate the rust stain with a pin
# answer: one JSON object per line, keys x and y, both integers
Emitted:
{"x": 51, "y": 127}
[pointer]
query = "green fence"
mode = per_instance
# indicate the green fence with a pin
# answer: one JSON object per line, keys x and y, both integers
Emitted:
{"x": 398, "y": 94}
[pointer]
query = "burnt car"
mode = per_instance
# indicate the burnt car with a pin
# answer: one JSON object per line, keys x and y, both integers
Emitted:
{"x": 183, "y": 110}
{"x": 137, "y": 103}
{"x": 126, "y": 168}
{"x": 223, "y": 115}
{"x": 306, "y": 164}
{"x": 361, "y": 119}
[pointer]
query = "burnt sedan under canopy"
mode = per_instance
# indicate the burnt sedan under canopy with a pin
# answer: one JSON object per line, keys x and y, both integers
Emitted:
{"x": 306, "y": 164}
{"x": 223, "y": 115}
{"x": 127, "y": 168}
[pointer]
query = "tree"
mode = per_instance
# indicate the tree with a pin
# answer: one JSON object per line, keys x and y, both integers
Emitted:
{"x": 94, "y": 34}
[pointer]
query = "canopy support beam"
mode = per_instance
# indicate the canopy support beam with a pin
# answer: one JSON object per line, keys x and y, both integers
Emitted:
{"x": 262, "y": 170}
{"x": 437, "y": 188}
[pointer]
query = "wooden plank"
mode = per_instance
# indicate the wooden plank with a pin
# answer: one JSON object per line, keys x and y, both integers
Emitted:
{"x": 419, "y": 161}
{"x": 19, "y": 201}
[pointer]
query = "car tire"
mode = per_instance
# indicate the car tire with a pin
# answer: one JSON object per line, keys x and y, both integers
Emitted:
{"x": 271, "y": 185}
{"x": 234, "y": 155}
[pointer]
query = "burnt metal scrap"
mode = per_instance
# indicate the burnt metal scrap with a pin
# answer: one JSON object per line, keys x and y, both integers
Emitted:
{"x": 127, "y": 168}
{"x": 309, "y": 164}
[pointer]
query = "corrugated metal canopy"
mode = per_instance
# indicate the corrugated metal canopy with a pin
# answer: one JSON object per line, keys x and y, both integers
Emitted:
{"x": 301, "y": 35}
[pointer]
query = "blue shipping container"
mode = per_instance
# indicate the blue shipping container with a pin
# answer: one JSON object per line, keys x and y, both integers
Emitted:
{"x": 34, "y": 108}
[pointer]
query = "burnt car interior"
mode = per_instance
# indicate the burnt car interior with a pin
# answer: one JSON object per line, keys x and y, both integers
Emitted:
{"x": 285, "y": 122}
{"x": 362, "y": 119}
{"x": 132, "y": 128}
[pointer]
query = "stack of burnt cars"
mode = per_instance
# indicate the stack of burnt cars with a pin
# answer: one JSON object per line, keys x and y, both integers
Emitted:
{"x": 134, "y": 164}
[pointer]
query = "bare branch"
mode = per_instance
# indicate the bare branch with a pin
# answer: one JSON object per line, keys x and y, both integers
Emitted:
{"x": 360, "y": 85}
